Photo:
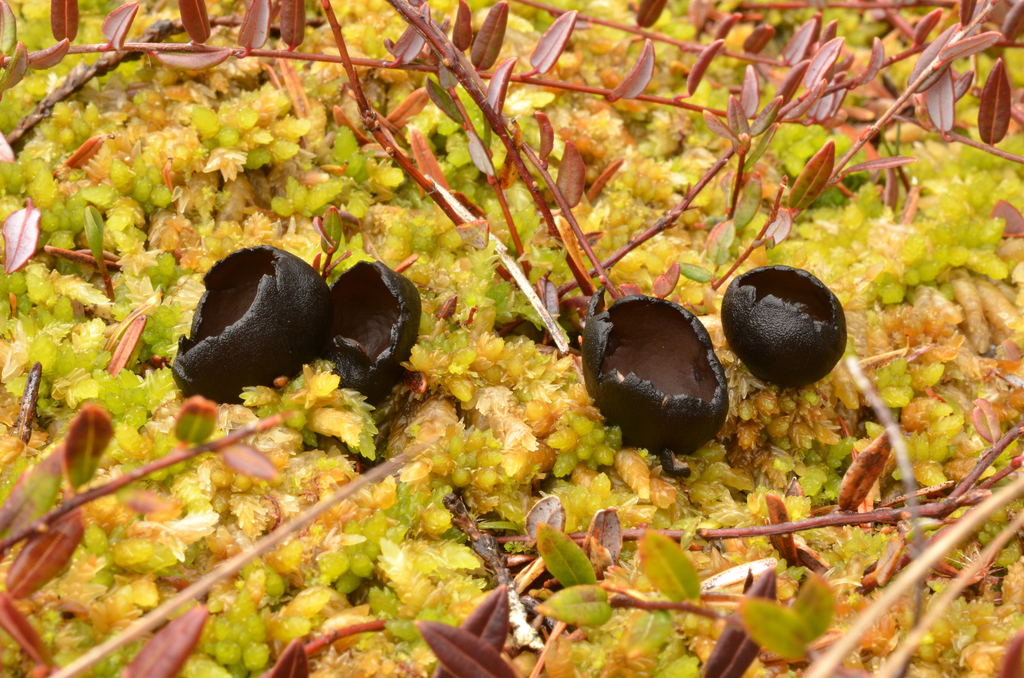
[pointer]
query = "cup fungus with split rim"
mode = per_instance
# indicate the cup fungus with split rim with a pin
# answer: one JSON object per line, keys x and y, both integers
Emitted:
{"x": 784, "y": 324}
{"x": 650, "y": 367}
{"x": 376, "y": 324}
{"x": 265, "y": 314}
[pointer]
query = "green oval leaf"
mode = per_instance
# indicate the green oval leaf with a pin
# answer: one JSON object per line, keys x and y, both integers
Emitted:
{"x": 695, "y": 273}
{"x": 196, "y": 420}
{"x": 578, "y": 606}
{"x": 775, "y": 628}
{"x": 668, "y": 568}
{"x": 563, "y": 558}
{"x": 815, "y": 604}
{"x": 648, "y": 635}
{"x": 33, "y": 495}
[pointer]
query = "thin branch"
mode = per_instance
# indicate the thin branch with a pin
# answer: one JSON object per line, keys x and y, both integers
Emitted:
{"x": 176, "y": 457}
{"x": 331, "y": 637}
{"x": 22, "y": 428}
{"x": 485, "y": 546}
{"x": 229, "y": 567}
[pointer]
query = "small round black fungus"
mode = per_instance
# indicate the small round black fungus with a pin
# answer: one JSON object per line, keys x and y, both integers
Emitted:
{"x": 650, "y": 367}
{"x": 265, "y": 314}
{"x": 784, "y": 324}
{"x": 376, "y": 323}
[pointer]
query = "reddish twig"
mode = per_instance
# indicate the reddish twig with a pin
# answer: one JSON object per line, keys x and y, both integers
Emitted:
{"x": 328, "y": 639}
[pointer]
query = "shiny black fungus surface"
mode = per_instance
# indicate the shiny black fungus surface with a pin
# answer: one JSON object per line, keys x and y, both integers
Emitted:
{"x": 650, "y": 367}
{"x": 265, "y": 314}
{"x": 784, "y": 324}
{"x": 376, "y": 323}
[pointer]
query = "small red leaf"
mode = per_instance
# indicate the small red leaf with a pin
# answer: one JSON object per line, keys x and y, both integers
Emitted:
{"x": 925, "y": 26}
{"x": 875, "y": 62}
{"x": 969, "y": 46}
{"x": 547, "y": 136}
{"x": 408, "y": 46}
{"x": 963, "y": 84}
{"x": 84, "y": 153}
{"x": 6, "y": 152}
{"x": 790, "y": 83}
{"x": 823, "y": 62}
{"x": 878, "y": 164}
{"x": 716, "y": 125}
{"x": 766, "y": 117}
{"x": 195, "y": 20}
{"x": 117, "y": 24}
{"x": 750, "y": 93}
{"x": 24, "y": 634}
{"x": 499, "y": 84}
{"x": 811, "y": 181}
{"x": 21, "y": 237}
{"x": 16, "y": 67}
{"x": 255, "y": 28}
{"x": 967, "y": 11}
{"x": 758, "y": 38}
{"x": 292, "y": 663}
{"x": 293, "y": 22}
{"x": 126, "y": 347}
{"x": 425, "y": 159}
{"x": 738, "y": 122}
{"x": 193, "y": 61}
{"x": 994, "y": 110}
{"x": 88, "y": 436}
{"x": 479, "y": 155}
{"x": 144, "y": 502}
{"x": 667, "y": 281}
{"x": 700, "y": 66}
{"x": 639, "y": 76}
{"x": 1013, "y": 21}
{"x": 551, "y": 44}
{"x": 33, "y": 494}
{"x": 940, "y": 102}
{"x": 986, "y": 421}
{"x": 726, "y": 25}
{"x": 249, "y": 461}
{"x": 648, "y": 12}
{"x": 572, "y": 174}
{"x": 1011, "y": 215}
{"x": 487, "y": 45}
{"x": 930, "y": 53}
{"x": 64, "y": 19}
{"x": 462, "y": 33}
{"x": 49, "y": 57}
{"x": 802, "y": 39}
{"x": 810, "y": 98}
{"x": 1013, "y": 658}
{"x": 45, "y": 555}
{"x": 780, "y": 228}
{"x": 8, "y": 28}
{"x": 463, "y": 654}
{"x": 169, "y": 649}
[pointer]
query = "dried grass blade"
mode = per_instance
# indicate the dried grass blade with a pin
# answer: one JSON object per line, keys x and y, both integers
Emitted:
{"x": 425, "y": 159}
{"x": 126, "y": 347}
{"x": 603, "y": 179}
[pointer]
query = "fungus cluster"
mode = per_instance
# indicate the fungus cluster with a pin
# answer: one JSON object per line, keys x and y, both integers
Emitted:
{"x": 266, "y": 313}
{"x": 650, "y": 366}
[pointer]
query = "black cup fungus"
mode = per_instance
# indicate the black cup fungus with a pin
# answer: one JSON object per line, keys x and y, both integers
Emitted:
{"x": 376, "y": 324}
{"x": 265, "y": 314}
{"x": 651, "y": 369}
{"x": 784, "y": 324}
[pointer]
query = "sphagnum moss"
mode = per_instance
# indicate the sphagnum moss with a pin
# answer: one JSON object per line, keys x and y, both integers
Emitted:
{"x": 203, "y": 165}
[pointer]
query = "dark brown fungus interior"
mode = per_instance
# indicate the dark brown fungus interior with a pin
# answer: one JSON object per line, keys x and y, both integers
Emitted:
{"x": 784, "y": 324}
{"x": 365, "y": 310}
{"x": 230, "y": 291}
{"x": 656, "y": 343}
{"x": 650, "y": 367}
{"x": 376, "y": 323}
{"x": 780, "y": 284}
